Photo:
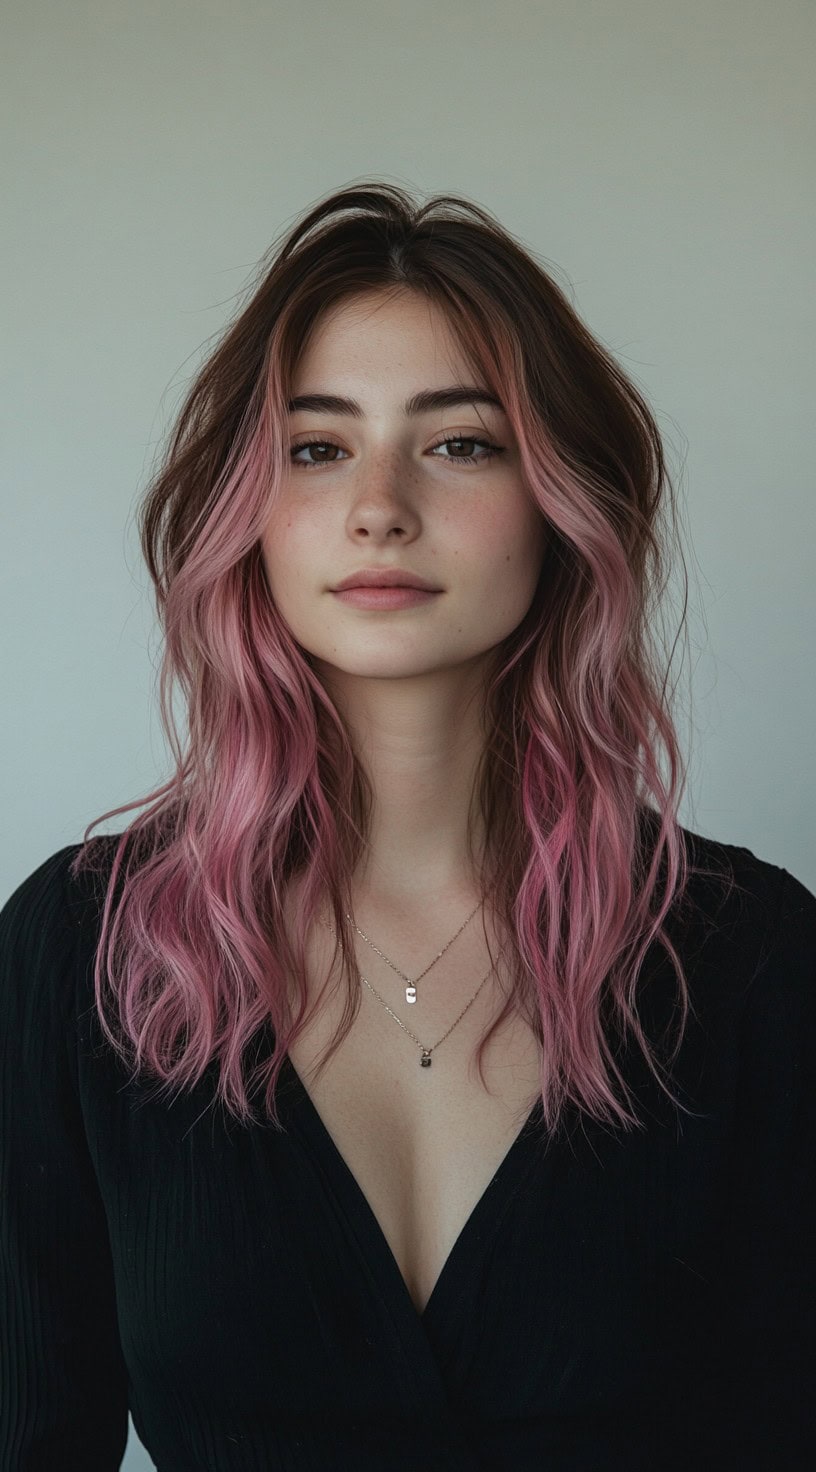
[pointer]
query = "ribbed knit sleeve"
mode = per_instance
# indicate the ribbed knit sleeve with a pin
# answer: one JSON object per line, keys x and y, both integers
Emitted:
{"x": 763, "y": 1402}
{"x": 63, "y": 1382}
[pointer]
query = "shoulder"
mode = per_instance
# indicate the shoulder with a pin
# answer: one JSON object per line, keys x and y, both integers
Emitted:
{"x": 52, "y": 896}
{"x": 40, "y": 925}
{"x": 745, "y": 887}
{"x": 756, "y": 923}
{"x": 37, "y": 909}
{"x": 37, "y": 951}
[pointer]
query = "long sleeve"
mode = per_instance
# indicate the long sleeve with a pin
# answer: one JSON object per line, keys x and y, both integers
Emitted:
{"x": 63, "y": 1382}
{"x": 765, "y": 1414}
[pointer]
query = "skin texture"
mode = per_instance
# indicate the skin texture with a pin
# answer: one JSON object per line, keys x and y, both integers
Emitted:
{"x": 408, "y": 682}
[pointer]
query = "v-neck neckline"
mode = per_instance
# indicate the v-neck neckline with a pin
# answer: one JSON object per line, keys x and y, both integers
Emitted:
{"x": 485, "y": 1215}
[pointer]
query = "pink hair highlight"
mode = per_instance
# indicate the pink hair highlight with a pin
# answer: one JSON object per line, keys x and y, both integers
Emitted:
{"x": 194, "y": 952}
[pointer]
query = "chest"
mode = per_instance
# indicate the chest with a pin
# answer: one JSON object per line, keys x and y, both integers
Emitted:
{"x": 422, "y": 1143}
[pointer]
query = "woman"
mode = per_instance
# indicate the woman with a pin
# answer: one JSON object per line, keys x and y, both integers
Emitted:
{"x": 512, "y": 1164}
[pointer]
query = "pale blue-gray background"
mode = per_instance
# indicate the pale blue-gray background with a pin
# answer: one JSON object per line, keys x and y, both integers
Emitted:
{"x": 658, "y": 155}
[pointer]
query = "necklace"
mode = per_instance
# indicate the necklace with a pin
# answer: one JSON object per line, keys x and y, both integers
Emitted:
{"x": 410, "y": 990}
{"x": 426, "y": 1060}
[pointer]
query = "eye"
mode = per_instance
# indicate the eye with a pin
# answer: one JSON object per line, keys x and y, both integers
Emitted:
{"x": 307, "y": 445}
{"x": 489, "y": 451}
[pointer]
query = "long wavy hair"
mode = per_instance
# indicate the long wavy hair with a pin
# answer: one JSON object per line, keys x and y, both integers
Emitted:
{"x": 584, "y": 855}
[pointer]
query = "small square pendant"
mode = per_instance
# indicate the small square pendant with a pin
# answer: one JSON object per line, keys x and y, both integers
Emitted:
{"x": 410, "y": 994}
{"x": 426, "y": 1060}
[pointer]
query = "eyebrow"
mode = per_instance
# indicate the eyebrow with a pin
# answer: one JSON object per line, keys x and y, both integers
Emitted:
{"x": 421, "y": 403}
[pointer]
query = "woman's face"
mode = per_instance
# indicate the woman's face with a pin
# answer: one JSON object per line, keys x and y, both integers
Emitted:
{"x": 379, "y": 488}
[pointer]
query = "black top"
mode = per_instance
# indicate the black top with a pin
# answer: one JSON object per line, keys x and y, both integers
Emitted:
{"x": 638, "y": 1302}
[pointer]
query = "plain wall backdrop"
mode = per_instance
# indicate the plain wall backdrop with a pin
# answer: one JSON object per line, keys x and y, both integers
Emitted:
{"x": 656, "y": 155}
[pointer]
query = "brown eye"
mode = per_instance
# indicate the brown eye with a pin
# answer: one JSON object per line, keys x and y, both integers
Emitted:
{"x": 313, "y": 444}
{"x": 490, "y": 450}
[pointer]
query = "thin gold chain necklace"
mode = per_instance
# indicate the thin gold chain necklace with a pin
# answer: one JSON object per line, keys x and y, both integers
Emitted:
{"x": 410, "y": 990}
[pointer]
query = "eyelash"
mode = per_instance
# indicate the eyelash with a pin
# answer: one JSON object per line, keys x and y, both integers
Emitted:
{"x": 491, "y": 451}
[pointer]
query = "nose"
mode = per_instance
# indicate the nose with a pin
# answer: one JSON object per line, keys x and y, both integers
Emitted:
{"x": 383, "y": 507}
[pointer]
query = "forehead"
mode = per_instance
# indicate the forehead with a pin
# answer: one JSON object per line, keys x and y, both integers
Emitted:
{"x": 380, "y": 348}
{"x": 396, "y": 328}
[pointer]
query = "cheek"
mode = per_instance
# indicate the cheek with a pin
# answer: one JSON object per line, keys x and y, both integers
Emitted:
{"x": 514, "y": 542}
{"x": 284, "y": 545}
{"x": 508, "y": 537}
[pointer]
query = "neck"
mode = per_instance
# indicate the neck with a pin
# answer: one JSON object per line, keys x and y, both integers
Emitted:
{"x": 420, "y": 741}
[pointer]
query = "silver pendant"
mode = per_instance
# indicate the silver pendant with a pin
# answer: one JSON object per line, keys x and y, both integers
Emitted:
{"x": 425, "y": 1060}
{"x": 410, "y": 993}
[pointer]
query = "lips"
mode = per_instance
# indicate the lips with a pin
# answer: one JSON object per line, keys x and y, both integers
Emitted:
{"x": 385, "y": 598}
{"x": 385, "y": 578}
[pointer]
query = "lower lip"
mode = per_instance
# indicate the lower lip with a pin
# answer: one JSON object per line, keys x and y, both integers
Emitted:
{"x": 385, "y": 597}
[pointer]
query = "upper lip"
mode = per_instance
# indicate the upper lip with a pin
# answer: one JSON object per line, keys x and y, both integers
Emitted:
{"x": 385, "y": 577}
